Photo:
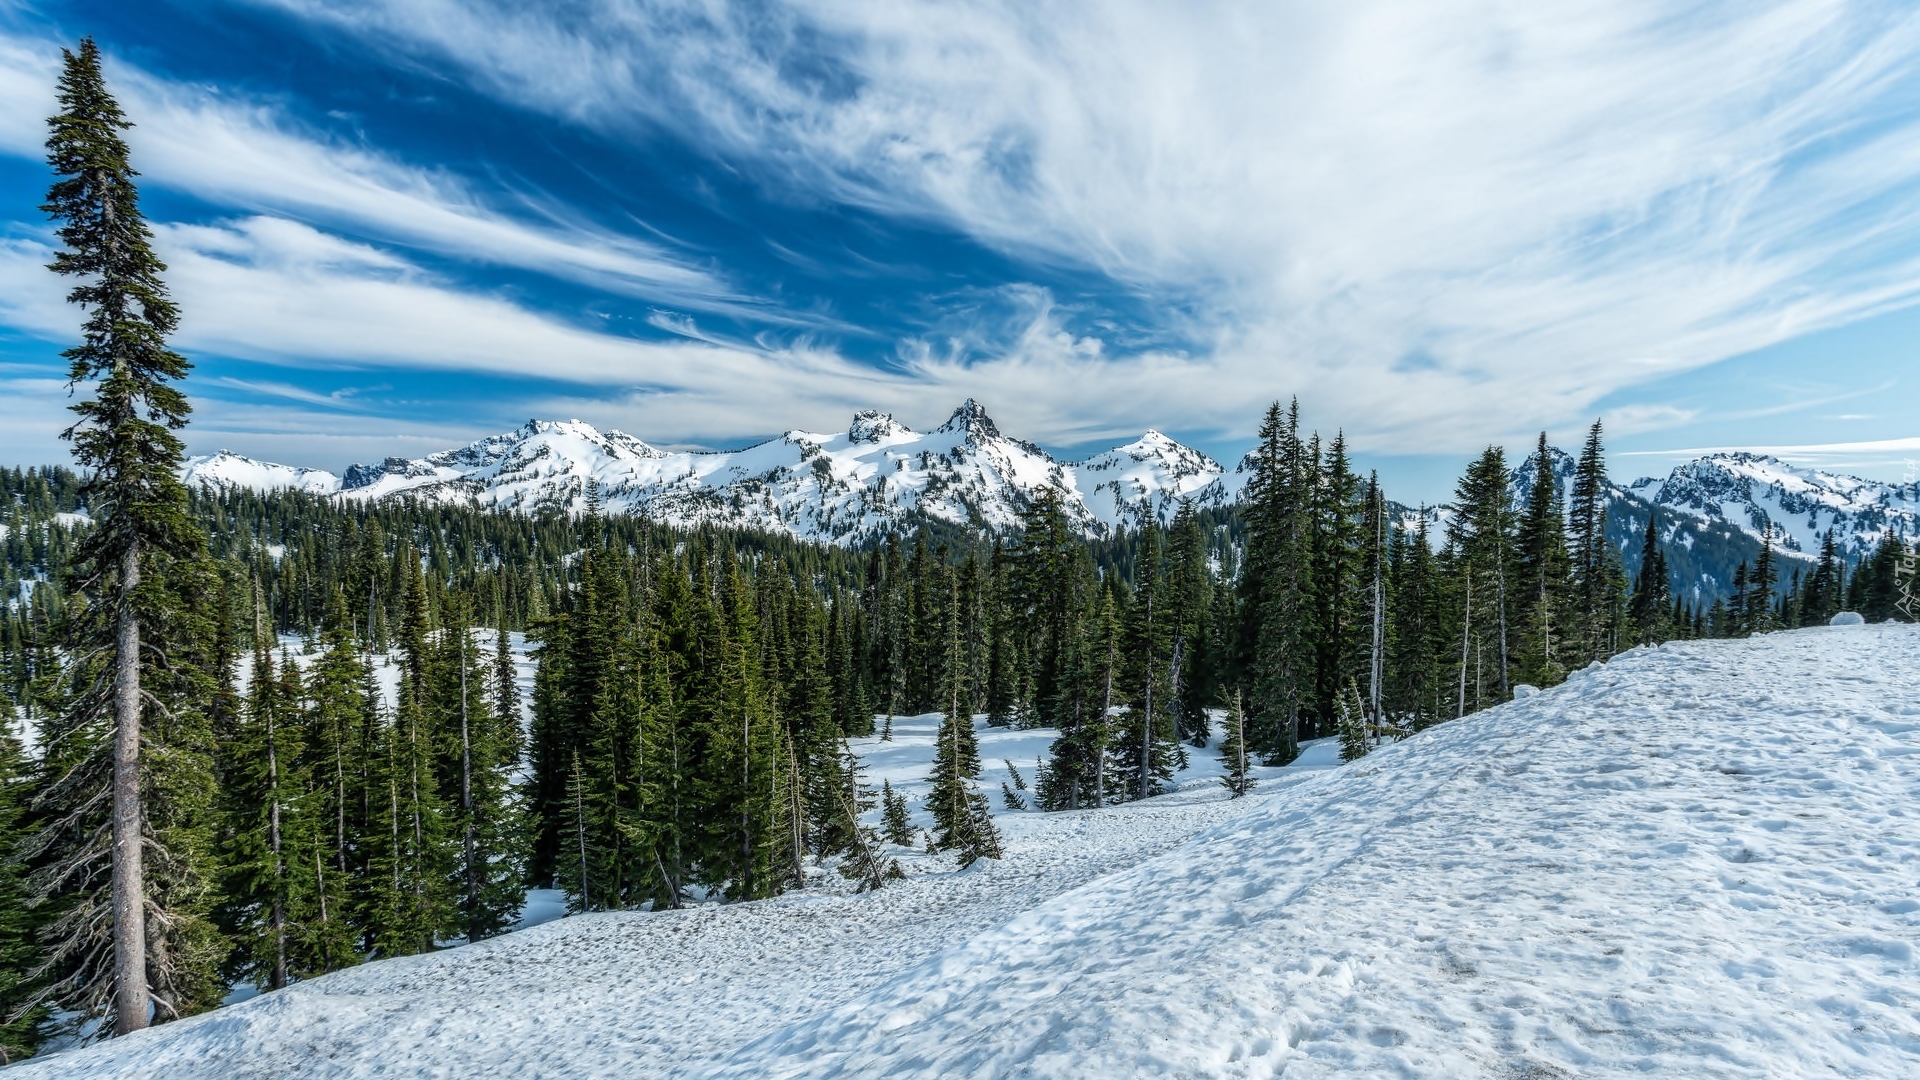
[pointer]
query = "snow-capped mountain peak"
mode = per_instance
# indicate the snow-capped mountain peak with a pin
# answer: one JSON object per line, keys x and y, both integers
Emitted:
{"x": 877, "y": 477}
{"x": 1794, "y": 506}
{"x": 227, "y": 470}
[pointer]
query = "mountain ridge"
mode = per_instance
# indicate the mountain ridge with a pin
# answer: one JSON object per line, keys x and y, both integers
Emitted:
{"x": 880, "y": 476}
{"x": 846, "y": 488}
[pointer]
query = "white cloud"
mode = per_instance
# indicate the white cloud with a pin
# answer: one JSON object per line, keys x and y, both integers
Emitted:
{"x": 248, "y": 155}
{"x": 1549, "y": 202}
{"x": 280, "y": 292}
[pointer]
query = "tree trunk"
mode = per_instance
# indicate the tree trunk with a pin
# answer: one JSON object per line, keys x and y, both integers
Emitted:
{"x": 472, "y": 866}
{"x": 130, "y": 995}
{"x": 278, "y": 980}
{"x": 1466, "y": 633}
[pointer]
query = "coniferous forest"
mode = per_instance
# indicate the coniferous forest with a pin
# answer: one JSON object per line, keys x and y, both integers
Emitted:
{"x": 259, "y": 737}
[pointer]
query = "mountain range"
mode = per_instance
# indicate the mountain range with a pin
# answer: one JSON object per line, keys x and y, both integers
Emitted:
{"x": 850, "y": 488}
{"x": 880, "y": 476}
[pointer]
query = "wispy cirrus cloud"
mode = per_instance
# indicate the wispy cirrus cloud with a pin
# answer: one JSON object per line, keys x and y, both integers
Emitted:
{"x": 250, "y": 155}
{"x": 1550, "y": 203}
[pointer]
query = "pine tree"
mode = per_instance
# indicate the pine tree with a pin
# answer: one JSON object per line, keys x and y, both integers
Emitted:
{"x": 740, "y": 798}
{"x": 408, "y": 903}
{"x": 1189, "y": 602}
{"x": 478, "y": 753}
{"x": 111, "y": 966}
{"x": 1596, "y": 576}
{"x": 1482, "y": 535}
{"x": 22, "y": 1008}
{"x": 333, "y": 738}
{"x": 1758, "y": 600}
{"x": 1355, "y": 738}
{"x": 1822, "y": 597}
{"x": 896, "y": 819}
{"x": 864, "y": 862}
{"x": 1275, "y": 605}
{"x": 261, "y": 783}
{"x": 1145, "y": 753}
{"x": 1541, "y": 569}
{"x": 963, "y": 822}
{"x": 1651, "y": 595}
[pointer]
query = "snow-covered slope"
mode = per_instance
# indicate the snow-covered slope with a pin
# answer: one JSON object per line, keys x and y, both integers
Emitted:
{"x": 227, "y": 470}
{"x": 1763, "y": 496}
{"x": 846, "y": 487}
{"x": 1695, "y": 861}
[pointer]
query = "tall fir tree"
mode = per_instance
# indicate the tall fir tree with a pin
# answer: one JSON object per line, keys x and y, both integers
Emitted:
{"x": 22, "y": 1002}
{"x": 1541, "y": 567}
{"x": 1276, "y": 596}
{"x": 1650, "y": 610}
{"x": 142, "y": 946}
{"x": 1597, "y": 580}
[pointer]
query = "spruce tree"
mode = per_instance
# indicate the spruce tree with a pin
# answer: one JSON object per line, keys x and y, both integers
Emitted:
{"x": 1596, "y": 576}
{"x": 1540, "y": 577}
{"x": 963, "y": 822}
{"x": 1758, "y": 601}
{"x": 1146, "y": 751}
{"x": 1275, "y": 605}
{"x": 1822, "y": 597}
{"x": 1651, "y": 595}
{"x": 133, "y": 939}
{"x": 22, "y": 1001}
{"x": 261, "y": 784}
{"x": 1482, "y": 534}
{"x": 479, "y": 752}
{"x": 333, "y": 740}
{"x": 896, "y": 820}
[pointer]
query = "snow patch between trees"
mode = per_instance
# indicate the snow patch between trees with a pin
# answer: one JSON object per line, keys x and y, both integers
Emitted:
{"x": 1698, "y": 860}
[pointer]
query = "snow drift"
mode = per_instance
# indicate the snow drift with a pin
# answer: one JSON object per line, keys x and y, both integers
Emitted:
{"x": 1697, "y": 860}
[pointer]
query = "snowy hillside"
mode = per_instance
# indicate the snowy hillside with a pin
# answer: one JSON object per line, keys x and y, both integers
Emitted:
{"x": 1763, "y": 495}
{"x": 847, "y": 487}
{"x": 1698, "y": 861}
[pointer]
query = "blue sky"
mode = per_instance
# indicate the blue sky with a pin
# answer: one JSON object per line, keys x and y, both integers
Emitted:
{"x": 1440, "y": 223}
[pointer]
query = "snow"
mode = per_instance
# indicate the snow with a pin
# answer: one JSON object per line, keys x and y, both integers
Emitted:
{"x": 227, "y": 470}
{"x": 1697, "y": 860}
{"x": 1762, "y": 495}
{"x": 844, "y": 487}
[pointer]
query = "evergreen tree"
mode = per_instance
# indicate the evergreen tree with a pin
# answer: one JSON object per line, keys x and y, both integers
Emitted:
{"x": 1541, "y": 577}
{"x": 1275, "y": 606}
{"x": 1757, "y": 603}
{"x": 865, "y": 862}
{"x": 112, "y": 966}
{"x": 1652, "y": 595}
{"x": 262, "y": 784}
{"x": 963, "y": 822}
{"x": 740, "y": 775}
{"x": 896, "y": 819}
{"x": 333, "y": 740}
{"x": 1356, "y": 740}
{"x": 1821, "y": 598}
{"x": 1597, "y": 580}
{"x": 22, "y": 1008}
{"x": 1481, "y": 534}
{"x": 1145, "y": 753}
{"x": 478, "y": 752}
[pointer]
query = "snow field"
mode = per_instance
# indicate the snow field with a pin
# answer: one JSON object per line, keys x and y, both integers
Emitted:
{"x": 1699, "y": 860}
{"x": 668, "y": 994}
